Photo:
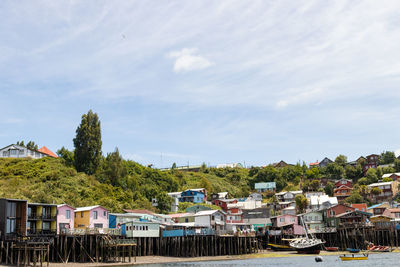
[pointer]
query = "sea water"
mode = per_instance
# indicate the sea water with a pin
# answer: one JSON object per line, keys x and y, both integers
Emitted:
{"x": 374, "y": 260}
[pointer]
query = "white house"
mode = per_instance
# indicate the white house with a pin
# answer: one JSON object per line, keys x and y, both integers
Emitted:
{"x": 175, "y": 200}
{"x": 140, "y": 229}
{"x": 16, "y": 151}
{"x": 322, "y": 201}
{"x": 214, "y": 219}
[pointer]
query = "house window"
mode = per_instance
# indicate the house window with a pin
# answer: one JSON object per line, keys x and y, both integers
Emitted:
{"x": 13, "y": 152}
{"x": 81, "y": 214}
{"x": 68, "y": 214}
{"x": 10, "y": 228}
{"x": 282, "y": 219}
{"x": 21, "y": 152}
{"x": 75, "y": 214}
{"x": 46, "y": 225}
{"x": 95, "y": 215}
{"x": 105, "y": 213}
{"x": 98, "y": 225}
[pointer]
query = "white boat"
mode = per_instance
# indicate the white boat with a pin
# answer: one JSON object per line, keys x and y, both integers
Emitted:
{"x": 308, "y": 244}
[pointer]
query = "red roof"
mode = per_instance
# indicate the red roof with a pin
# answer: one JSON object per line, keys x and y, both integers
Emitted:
{"x": 48, "y": 152}
{"x": 314, "y": 163}
{"x": 361, "y": 207}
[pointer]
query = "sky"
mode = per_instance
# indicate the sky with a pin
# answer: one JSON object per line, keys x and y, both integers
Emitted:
{"x": 194, "y": 81}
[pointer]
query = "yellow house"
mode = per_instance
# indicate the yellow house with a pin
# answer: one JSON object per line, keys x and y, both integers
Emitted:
{"x": 91, "y": 217}
{"x": 42, "y": 219}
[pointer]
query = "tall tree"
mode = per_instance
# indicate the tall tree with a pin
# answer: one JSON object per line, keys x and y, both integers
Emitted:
{"x": 88, "y": 143}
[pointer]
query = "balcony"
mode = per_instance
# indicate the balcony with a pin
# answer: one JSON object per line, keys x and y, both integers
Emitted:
{"x": 41, "y": 232}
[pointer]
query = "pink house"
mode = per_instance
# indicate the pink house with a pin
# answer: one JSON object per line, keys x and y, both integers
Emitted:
{"x": 65, "y": 217}
{"x": 289, "y": 224}
{"x": 91, "y": 217}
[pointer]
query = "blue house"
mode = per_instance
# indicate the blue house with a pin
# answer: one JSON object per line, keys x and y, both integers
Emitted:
{"x": 265, "y": 187}
{"x": 193, "y": 196}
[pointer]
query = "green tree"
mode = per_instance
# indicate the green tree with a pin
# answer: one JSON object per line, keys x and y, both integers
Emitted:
{"x": 363, "y": 181}
{"x": 335, "y": 171}
{"x": 315, "y": 185}
{"x": 114, "y": 169}
{"x": 355, "y": 198}
{"x": 88, "y": 144}
{"x": 329, "y": 189}
{"x": 205, "y": 183}
{"x": 301, "y": 203}
{"x": 387, "y": 157}
{"x": 376, "y": 191}
{"x": 173, "y": 166}
{"x": 31, "y": 145}
{"x": 371, "y": 176}
{"x": 341, "y": 160}
{"x": 67, "y": 156}
{"x": 20, "y": 143}
{"x": 397, "y": 165}
{"x": 354, "y": 173}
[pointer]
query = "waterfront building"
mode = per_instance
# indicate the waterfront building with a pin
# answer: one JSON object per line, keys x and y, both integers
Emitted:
{"x": 140, "y": 229}
{"x": 12, "y": 218}
{"x": 91, "y": 217}
{"x": 65, "y": 218}
{"x": 42, "y": 219}
{"x": 388, "y": 191}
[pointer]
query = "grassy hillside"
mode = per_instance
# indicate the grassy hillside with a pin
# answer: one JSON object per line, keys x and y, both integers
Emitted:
{"x": 49, "y": 180}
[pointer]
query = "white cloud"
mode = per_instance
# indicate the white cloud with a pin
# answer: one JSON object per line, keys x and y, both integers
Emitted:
{"x": 187, "y": 60}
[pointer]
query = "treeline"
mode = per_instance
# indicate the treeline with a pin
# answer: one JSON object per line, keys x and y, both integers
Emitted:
{"x": 84, "y": 176}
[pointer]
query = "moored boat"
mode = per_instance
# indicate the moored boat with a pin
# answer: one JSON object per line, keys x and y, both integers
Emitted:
{"x": 280, "y": 247}
{"x": 308, "y": 244}
{"x": 372, "y": 248}
{"x": 354, "y": 258}
{"x": 353, "y": 250}
{"x": 331, "y": 249}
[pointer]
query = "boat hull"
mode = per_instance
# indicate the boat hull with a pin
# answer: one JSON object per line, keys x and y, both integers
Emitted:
{"x": 309, "y": 250}
{"x": 332, "y": 249}
{"x": 277, "y": 247}
{"x": 353, "y": 258}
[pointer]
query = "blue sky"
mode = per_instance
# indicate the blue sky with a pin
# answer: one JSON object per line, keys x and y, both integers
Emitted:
{"x": 204, "y": 81}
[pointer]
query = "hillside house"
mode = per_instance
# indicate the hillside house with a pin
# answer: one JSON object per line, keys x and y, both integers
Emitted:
{"x": 193, "y": 195}
{"x": 288, "y": 196}
{"x": 378, "y": 209}
{"x": 175, "y": 200}
{"x": 331, "y": 213}
{"x": 325, "y": 162}
{"x": 394, "y": 176}
{"x": 372, "y": 161}
{"x": 91, "y": 217}
{"x": 280, "y": 164}
{"x": 389, "y": 190}
{"x": 17, "y": 151}
{"x": 265, "y": 187}
{"x": 354, "y": 218}
{"x": 321, "y": 202}
{"x": 314, "y": 220}
{"x": 65, "y": 217}
{"x": 13, "y": 218}
{"x": 360, "y": 207}
{"x": 221, "y": 195}
{"x": 393, "y": 213}
{"x": 256, "y": 196}
{"x": 197, "y": 208}
{"x": 342, "y": 192}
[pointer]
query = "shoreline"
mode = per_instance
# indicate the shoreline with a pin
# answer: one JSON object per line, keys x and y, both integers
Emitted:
{"x": 143, "y": 260}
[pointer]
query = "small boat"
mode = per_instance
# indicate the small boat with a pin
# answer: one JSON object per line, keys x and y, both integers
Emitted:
{"x": 354, "y": 258}
{"x": 308, "y": 244}
{"x": 331, "y": 249}
{"x": 280, "y": 247}
{"x": 353, "y": 250}
{"x": 372, "y": 248}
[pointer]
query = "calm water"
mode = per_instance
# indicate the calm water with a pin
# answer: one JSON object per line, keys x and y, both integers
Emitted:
{"x": 375, "y": 260}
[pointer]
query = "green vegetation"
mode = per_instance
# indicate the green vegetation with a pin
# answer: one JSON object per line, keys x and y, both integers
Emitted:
{"x": 118, "y": 184}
